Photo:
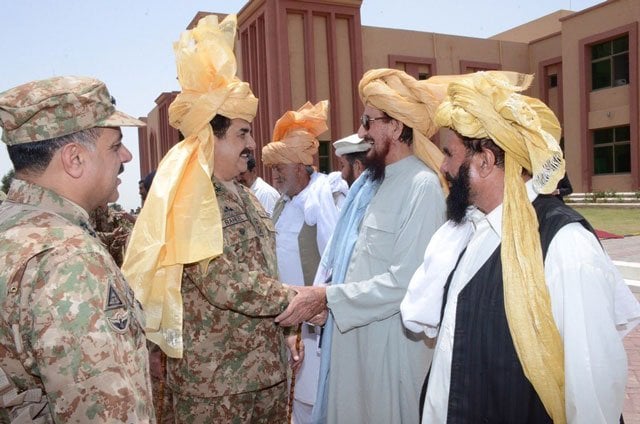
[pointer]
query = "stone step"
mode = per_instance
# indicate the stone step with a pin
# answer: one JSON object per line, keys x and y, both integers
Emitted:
{"x": 605, "y": 205}
{"x": 634, "y": 285}
{"x": 629, "y": 270}
{"x": 631, "y": 273}
{"x": 619, "y": 199}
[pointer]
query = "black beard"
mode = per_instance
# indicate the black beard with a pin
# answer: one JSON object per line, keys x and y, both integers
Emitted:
{"x": 350, "y": 176}
{"x": 374, "y": 162}
{"x": 459, "y": 193}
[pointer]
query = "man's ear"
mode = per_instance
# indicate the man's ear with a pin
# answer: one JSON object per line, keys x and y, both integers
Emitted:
{"x": 73, "y": 158}
{"x": 486, "y": 161}
{"x": 358, "y": 166}
{"x": 396, "y": 128}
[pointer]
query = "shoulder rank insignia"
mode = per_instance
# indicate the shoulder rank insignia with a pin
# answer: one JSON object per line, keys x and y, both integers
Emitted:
{"x": 113, "y": 300}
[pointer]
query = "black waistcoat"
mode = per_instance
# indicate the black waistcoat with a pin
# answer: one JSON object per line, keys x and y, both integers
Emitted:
{"x": 488, "y": 384}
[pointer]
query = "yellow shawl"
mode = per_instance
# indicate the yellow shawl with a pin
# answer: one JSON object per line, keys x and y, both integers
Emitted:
{"x": 487, "y": 104}
{"x": 180, "y": 221}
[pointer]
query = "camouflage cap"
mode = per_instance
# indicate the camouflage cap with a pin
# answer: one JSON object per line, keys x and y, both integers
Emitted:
{"x": 42, "y": 110}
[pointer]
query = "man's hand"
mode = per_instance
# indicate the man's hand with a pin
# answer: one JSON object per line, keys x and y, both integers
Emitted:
{"x": 296, "y": 351}
{"x": 307, "y": 303}
{"x": 320, "y": 319}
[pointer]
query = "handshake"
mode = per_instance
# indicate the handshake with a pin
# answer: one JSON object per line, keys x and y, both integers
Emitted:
{"x": 309, "y": 304}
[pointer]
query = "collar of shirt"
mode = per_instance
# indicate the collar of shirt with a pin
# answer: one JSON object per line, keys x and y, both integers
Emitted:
{"x": 255, "y": 184}
{"x": 495, "y": 216}
{"x": 398, "y": 167}
{"x": 34, "y": 195}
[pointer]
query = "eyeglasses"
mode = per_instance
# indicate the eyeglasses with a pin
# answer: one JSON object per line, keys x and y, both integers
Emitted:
{"x": 365, "y": 119}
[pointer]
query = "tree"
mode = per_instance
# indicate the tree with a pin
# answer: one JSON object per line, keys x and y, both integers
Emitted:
{"x": 6, "y": 180}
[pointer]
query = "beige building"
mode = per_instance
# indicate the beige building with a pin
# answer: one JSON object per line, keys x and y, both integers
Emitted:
{"x": 586, "y": 66}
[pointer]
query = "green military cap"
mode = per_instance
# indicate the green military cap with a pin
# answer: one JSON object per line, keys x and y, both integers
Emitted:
{"x": 59, "y": 106}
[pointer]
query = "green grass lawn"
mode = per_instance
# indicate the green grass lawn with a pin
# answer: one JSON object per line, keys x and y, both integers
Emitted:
{"x": 622, "y": 221}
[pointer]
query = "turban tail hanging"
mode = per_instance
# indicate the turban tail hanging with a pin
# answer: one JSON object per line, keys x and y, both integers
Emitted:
{"x": 181, "y": 203}
{"x": 412, "y": 102}
{"x": 487, "y": 105}
{"x": 295, "y": 135}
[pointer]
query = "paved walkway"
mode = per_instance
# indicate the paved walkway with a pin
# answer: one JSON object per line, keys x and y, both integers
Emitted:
{"x": 628, "y": 249}
{"x": 625, "y": 249}
{"x": 631, "y": 411}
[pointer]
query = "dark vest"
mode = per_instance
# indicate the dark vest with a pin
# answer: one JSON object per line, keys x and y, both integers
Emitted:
{"x": 488, "y": 384}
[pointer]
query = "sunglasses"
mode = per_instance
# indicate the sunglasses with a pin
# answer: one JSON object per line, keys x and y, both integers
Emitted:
{"x": 365, "y": 119}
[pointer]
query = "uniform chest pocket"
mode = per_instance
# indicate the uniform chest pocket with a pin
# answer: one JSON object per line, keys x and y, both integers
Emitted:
{"x": 267, "y": 222}
{"x": 380, "y": 230}
{"x": 239, "y": 233}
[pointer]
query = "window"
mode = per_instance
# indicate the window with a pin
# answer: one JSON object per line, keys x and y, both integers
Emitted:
{"x": 553, "y": 81}
{"x": 323, "y": 157}
{"x": 471, "y": 69}
{"x": 421, "y": 68}
{"x": 612, "y": 150}
{"x": 610, "y": 63}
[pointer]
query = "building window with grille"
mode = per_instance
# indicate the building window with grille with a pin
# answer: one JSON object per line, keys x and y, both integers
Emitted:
{"x": 612, "y": 150}
{"x": 324, "y": 162}
{"x": 610, "y": 63}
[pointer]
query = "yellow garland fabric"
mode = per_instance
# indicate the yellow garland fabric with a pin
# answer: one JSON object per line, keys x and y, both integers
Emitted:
{"x": 412, "y": 102}
{"x": 487, "y": 104}
{"x": 180, "y": 221}
{"x": 295, "y": 135}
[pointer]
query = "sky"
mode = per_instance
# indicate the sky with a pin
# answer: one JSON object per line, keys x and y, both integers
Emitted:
{"x": 128, "y": 44}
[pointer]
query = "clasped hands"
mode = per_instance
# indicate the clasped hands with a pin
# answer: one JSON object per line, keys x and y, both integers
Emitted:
{"x": 309, "y": 304}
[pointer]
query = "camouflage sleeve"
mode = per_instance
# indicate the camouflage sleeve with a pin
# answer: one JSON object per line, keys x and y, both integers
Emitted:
{"x": 231, "y": 285}
{"x": 88, "y": 342}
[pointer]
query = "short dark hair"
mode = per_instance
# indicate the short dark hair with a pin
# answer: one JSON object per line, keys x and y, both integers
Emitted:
{"x": 146, "y": 182}
{"x": 475, "y": 145}
{"x": 220, "y": 125}
{"x": 37, "y": 155}
{"x": 353, "y": 157}
{"x": 309, "y": 169}
{"x": 406, "y": 136}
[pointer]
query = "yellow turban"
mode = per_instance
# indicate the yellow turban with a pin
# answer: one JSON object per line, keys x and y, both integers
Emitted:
{"x": 487, "y": 105}
{"x": 182, "y": 202}
{"x": 295, "y": 135}
{"x": 412, "y": 102}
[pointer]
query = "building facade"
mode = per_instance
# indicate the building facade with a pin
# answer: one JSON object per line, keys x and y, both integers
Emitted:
{"x": 586, "y": 67}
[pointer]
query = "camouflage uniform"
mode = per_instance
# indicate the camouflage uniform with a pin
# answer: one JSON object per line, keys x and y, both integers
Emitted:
{"x": 234, "y": 367}
{"x": 69, "y": 323}
{"x": 113, "y": 229}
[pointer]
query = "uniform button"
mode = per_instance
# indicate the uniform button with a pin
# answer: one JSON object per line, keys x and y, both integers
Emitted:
{"x": 242, "y": 231}
{"x": 13, "y": 289}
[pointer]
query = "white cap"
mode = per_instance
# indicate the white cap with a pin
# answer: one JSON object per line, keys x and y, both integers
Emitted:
{"x": 350, "y": 144}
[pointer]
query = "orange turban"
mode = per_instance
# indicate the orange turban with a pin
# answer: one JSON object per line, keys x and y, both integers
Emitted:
{"x": 295, "y": 135}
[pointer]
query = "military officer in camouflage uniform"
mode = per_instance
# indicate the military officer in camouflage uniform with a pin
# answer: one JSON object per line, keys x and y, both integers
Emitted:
{"x": 234, "y": 361}
{"x": 227, "y": 358}
{"x": 72, "y": 346}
